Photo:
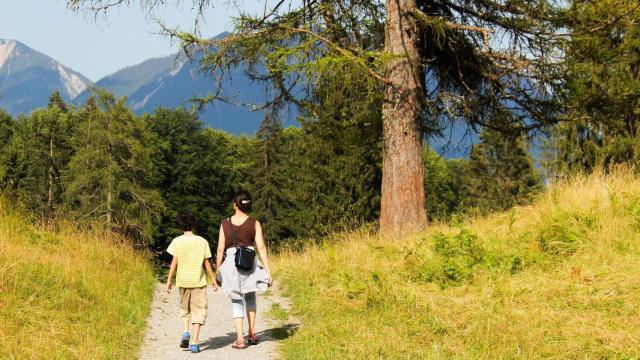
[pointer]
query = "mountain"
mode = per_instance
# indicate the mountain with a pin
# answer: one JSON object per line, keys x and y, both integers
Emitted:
{"x": 128, "y": 80}
{"x": 173, "y": 80}
{"x": 28, "y": 78}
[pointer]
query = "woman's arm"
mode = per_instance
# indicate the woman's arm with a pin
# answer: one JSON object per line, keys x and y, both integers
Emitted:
{"x": 262, "y": 249}
{"x": 219, "y": 252}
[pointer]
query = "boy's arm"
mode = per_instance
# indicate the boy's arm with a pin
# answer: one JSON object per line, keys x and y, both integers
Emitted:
{"x": 207, "y": 266}
{"x": 172, "y": 270}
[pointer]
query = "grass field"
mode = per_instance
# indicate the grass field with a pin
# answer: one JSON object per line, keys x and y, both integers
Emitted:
{"x": 65, "y": 294}
{"x": 557, "y": 279}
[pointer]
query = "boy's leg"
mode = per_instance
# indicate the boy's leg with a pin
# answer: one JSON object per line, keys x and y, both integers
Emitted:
{"x": 199, "y": 305}
{"x": 184, "y": 311}
{"x": 196, "y": 333}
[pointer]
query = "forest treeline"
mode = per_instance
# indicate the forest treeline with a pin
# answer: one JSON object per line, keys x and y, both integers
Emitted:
{"x": 104, "y": 166}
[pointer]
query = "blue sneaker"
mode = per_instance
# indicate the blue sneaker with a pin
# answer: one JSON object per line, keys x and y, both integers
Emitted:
{"x": 184, "y": 341}
{"x": 195, "y": 348}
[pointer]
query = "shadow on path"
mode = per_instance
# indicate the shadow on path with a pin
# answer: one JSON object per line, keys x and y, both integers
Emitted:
{"x": 268, "y": 335}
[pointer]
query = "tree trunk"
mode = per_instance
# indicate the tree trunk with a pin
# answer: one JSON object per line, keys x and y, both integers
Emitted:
{"x": 402, "y": 203}
{"x": 109, "y": 216}
{"x": 50, "y": 180}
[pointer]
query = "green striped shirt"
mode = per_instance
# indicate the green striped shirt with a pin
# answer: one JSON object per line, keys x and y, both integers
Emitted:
{"x": 191, "y": 252}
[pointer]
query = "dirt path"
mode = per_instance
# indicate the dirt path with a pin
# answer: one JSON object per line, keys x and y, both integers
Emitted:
{"x": 164, "y": 329}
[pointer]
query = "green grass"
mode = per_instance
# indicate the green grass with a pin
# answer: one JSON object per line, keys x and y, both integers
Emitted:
{"x": 277, "y": 312}
{"x": 557, "y": 279}
{"x": 69, "y": 295}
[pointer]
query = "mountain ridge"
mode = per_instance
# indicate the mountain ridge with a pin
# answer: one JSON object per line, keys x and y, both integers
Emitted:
{"x": 28, "y": 77}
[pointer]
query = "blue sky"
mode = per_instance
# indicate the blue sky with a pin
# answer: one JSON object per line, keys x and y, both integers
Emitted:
{"x": 98, "y": 47}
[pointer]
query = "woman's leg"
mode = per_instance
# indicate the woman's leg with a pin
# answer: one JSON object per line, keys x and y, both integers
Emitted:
{"x": 250, "y": 303}
{"x": 237, "y": 308}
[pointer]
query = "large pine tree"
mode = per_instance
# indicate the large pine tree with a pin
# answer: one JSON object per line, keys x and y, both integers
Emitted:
{"x": 436, "y": 61}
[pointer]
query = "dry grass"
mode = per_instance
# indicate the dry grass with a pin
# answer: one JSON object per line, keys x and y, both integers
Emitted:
{"x": 557, "y": 279}
{"x": 65, "y": 294}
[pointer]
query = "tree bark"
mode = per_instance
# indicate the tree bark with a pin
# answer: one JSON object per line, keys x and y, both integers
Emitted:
{"x": 50, "y": 180}
{"x": 402, "y": 203}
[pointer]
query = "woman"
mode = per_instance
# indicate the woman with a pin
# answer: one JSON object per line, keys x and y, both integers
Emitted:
{"x": 241, "y": 230}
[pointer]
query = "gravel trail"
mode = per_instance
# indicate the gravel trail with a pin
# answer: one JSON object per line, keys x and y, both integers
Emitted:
{"x": 164, "y": 329}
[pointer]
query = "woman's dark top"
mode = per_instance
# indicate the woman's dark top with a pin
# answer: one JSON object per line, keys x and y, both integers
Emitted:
{"x": 245, "y": 233}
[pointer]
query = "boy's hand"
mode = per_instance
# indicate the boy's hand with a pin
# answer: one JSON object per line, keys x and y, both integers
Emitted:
{"x": 169, "y": 286}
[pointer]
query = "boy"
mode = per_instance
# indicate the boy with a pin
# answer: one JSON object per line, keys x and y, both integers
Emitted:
{"x": 190, "y": 253}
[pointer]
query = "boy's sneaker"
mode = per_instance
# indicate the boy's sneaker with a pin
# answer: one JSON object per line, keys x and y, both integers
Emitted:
{"x": 184, "y": 341}
{"x": 195, "y": 348}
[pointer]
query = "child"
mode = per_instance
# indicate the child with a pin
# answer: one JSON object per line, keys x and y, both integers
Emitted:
{"x": 190, "y": 253}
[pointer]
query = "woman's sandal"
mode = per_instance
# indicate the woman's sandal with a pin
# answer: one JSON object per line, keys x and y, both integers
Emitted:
{"x": 253, "y": 339}
{"x": 239, "y": 345}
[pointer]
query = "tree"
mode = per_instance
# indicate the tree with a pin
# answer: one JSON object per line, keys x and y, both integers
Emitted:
{"x": 501, "y": 173}
{"x": 270, "y": 186}
{"x": 402, "y": 204}
{"x": 6, "y": 129}
{"x": 444, "y": 187}
{"x": 602, "y": 94}
{"x": 192, "y": 173}
{"x": 35, "y": 159}
{"x": 112, "y": 173}
{"x": 437, "y": 63}
{"x": 55, "y": 100}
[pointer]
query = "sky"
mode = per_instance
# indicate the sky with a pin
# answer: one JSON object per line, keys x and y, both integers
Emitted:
{"x": 96, "y": 47}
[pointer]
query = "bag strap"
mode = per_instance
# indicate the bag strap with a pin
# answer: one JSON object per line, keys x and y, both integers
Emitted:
{"x": 233, "y": 233}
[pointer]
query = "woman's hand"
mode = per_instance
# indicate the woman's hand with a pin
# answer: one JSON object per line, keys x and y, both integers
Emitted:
{"x": 169, "y": 286}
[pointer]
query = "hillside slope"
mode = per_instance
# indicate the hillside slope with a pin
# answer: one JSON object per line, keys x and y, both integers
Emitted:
{"x": 558, "y": 279}
{"x": 66, "y": 294}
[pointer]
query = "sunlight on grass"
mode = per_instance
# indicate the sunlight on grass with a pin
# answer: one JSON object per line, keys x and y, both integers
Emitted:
{"x": 555, "y": 279}
{"x": 65, "y": 294}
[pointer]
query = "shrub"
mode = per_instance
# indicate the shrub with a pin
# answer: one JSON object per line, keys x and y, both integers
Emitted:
{"x": 454, "y": 258}
{"x": 565, "y": 233}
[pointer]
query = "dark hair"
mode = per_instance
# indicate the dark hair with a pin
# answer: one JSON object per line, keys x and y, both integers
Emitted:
{"x": 186, "y": 221}
{"x": 243, "y": 201}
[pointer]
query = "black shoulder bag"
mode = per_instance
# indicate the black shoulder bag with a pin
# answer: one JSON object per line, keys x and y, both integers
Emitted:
{"x": 245, "y": 256}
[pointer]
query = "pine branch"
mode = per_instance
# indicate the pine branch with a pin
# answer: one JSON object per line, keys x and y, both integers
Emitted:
{"x": 439, "y": 22}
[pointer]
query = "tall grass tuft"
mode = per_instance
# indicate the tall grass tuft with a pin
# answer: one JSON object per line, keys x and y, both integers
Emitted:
{"x": 66, "y": 294}
{"x": 557, "y": 279}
